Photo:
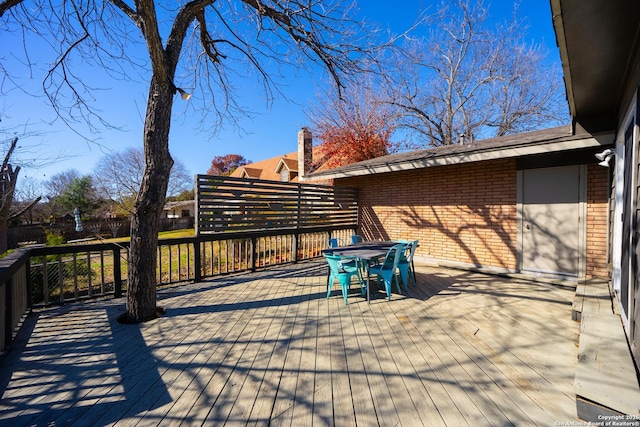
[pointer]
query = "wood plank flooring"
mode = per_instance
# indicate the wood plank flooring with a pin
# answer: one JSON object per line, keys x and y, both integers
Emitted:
{"x": 268, "y": 348}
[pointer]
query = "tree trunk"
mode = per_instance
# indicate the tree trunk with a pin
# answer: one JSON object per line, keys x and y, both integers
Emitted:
{"x": 8, "y": 178}
{"x": 141, "y": 292}
{"x": 4, "y": 235}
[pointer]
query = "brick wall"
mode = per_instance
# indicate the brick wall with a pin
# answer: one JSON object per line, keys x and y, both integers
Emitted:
{"x": 464, "y": 213}
{"x": 597, "y": 211}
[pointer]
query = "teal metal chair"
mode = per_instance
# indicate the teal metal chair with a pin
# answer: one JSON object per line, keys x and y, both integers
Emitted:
{"x": 386, "y": 270}
{"x": 335, "y": 242}
{"x": 356, "y": 238}
{"x": 405, "y": 265}
{"x": 343, "y": 269}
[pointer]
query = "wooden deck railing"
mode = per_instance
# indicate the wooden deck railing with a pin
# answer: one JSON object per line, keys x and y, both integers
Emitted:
{"x": 14, "y": 295}
{"x": 50, "y": 275}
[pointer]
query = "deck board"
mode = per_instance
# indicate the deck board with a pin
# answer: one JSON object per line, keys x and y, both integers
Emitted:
{"x": 472, "y": 332}
{"x": 469, "y": 327}
{"x": 268, "y": 348}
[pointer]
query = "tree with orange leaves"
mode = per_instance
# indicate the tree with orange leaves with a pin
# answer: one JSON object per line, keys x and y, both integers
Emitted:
{"x": 355, "y": 126}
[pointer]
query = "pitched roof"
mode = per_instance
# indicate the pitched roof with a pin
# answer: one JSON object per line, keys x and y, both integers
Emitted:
{"x": 536, "y": 142}
{"x": 291, "y": 164}
{"x": 266, "y": 169}
{"x": 250, "y": 172}
{"x": 270, "y": 169}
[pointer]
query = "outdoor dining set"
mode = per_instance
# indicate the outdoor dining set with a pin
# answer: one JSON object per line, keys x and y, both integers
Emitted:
{"x": 384, "y": 259}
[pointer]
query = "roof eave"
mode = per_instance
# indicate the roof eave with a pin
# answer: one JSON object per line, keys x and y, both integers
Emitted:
{"x": 493, "y": 153}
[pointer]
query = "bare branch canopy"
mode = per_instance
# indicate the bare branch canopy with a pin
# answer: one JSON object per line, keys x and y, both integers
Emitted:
{"x": 203, "y": 45}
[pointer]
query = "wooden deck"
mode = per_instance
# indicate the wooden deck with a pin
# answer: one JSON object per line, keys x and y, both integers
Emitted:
{"x": 269, "y": 349}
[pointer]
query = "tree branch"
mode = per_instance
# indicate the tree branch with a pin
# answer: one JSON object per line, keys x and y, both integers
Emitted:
{"x": 23, "y": 210}
{"x": 5, "y": 5}
{"x": 7, "y": 157}
{"x": 148, "y": 24}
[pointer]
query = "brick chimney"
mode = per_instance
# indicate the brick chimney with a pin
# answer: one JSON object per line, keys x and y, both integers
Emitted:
{"x": 305, "y": 152}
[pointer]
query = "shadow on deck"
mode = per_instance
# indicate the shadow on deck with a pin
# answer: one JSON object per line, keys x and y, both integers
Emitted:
{"x": 268, "y": 348}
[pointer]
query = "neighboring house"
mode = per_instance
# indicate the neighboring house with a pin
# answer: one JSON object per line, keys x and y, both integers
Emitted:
{"x": 290, "y": 167}
{"x": 541, "y": 203}
{"x": 182, "y": 209}
{"x": 280, "y": 168}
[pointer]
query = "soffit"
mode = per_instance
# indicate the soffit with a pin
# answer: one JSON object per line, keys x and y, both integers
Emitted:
{"x": 596, "y": 39}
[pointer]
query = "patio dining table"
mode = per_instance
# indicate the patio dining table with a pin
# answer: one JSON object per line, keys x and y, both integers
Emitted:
{"x": 365, "y": 252}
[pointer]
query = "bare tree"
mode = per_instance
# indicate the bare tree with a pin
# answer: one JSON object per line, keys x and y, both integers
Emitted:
{"x": 206, "y": 40}
{"x": 118, "y": 177}
{"x": 468, "y": 79}
{"x": 9, "y": 171}
{"x": 58, "y": 183}
{"x": 26, "y": 200}
{"x": 20, "y": 151}
{"x": 54, "y": 187}
{"x": 8, "y": 179}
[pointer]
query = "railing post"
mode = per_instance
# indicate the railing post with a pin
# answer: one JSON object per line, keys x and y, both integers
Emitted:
{"x": 29, "y": 283}
{"x": 8, "y": 313}
{"x": 45, "y": 279}
{"x": 117, "y": 273}
{"x": 254, "y": 256}
{"x": 61, "y": 278}
{"x": 197, "y": 257}
{"x": 296, "y": 235}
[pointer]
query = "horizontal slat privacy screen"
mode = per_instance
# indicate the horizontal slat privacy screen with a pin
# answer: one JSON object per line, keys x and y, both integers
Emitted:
{"x": 226, "y": 204}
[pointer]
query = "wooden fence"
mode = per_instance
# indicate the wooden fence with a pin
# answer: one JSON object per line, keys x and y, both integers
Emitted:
{"x": 225, "y": 204}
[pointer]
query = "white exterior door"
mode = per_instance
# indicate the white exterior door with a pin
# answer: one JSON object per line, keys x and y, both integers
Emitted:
{"x": 551, "y": 226}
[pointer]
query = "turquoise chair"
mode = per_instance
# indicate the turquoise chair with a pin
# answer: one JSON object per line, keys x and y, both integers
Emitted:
{"x": 357, "y": 239}
{"x": 335, "y": 243}
{"x": 387, "y": 269}
{"x": 405, "y": 265}
{"x": 343, "y": 269}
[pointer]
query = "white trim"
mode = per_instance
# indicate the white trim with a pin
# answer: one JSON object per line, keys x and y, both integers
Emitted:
{"x": 582, "y": 238}
{"x": 519, "y": 217}
{"x": 279, "y": 166}
{"x": 619, "y": 173}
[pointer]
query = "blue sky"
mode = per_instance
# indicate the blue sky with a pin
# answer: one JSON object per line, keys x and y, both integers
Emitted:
{"x": 270, "y": 132}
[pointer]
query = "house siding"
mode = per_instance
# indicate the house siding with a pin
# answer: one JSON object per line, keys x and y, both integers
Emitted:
{"x": 464, "y": 213}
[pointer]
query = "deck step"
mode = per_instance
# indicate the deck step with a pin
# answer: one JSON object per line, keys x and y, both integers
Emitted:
{"x": 606, "y": 381}
{"x": 593, "y": 296}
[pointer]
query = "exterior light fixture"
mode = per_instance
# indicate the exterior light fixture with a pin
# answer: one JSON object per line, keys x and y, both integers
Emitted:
{"x": 183, "y": 94}
{"x": 605, "y": 157}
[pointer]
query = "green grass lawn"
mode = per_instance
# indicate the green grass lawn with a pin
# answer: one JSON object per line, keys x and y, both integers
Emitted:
{"x": 187, "y": 232}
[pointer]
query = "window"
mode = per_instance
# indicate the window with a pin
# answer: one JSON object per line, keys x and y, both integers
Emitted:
{"x": 284, "y": 175}
{"x": 186, "y": 213}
